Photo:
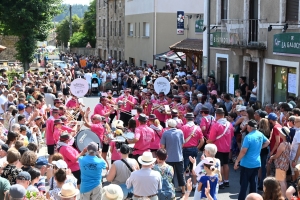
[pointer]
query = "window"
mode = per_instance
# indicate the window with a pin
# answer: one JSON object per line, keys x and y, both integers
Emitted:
{"x": 103, "y": 27}
{"x": 111, "y": 31}
{"x": 292, "y": 10}
{"x": 115, "y": 28}
{"x": 100, "y": 28}
{"x": 146, "y": 29}
{"x": 111, "y": 55}
{"x": 224, "y": 7}
{"x": 120, "y": 55}
{"x": 135, "y": 29}
{"x": 100, "y": 3}
{"x": 130, "y": 29}
{"x": 115, "y": 55}
{"x": 120, "y": 28}
{"x": 139, "y": 29}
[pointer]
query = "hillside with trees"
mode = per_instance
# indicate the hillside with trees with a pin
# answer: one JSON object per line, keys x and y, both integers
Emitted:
{"x": 78, "y": 10}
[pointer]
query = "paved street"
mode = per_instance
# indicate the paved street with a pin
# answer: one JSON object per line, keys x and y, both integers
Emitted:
{"x": 225, "y": 194}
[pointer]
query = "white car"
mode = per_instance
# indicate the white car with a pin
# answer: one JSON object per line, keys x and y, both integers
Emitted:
{"x": 60, "y": 64}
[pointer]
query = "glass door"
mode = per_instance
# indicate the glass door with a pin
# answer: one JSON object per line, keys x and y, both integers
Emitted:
{"x": 280, "y": 84}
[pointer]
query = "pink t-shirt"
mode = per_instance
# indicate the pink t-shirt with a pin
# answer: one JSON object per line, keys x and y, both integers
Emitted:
{"x": 66, "y": 128}
{"x": 156, "y": 143}
{"x": 115, "y": 154}
{"x": 101, "y": 110}
{"x": 70, "y": 156}
{"x": 188, "y": 130}
{"x": 223, "y": 144}
{"x": 136, "y": 118}
{"x": 99, "y": 130}
{"x": 56, "y": 134}
{"x": 206, "y": 121}
{"x": 145, "y": 136}
{"x": 49, "y": 131}
{"x": 71, "y": 103}
{"x": 160, "y": 116}
{"x": 128, "y": 106}
{"x": 147, "y": 111}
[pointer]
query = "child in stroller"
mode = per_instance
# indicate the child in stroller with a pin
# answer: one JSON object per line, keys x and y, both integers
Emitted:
{"x": 96, "y": 82}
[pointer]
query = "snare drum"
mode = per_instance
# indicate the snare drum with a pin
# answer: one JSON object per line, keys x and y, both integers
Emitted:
{"x": 84, "y": 138}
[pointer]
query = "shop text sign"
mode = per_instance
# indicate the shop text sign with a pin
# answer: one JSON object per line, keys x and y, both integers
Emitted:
{"x": 287, "y": 44}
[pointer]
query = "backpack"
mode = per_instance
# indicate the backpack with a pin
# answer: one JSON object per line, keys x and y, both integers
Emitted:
{"x": 166, "y": 193}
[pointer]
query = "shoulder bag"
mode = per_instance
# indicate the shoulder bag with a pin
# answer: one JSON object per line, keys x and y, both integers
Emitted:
{"x": 227, "y": 126}
{"x": 188, "y": 139}
{"x": 128, "y": 166}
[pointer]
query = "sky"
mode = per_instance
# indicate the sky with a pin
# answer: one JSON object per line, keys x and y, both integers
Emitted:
{"x": 85, "y": 2}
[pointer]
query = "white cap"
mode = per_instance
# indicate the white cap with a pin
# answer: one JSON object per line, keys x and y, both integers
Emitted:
{"x": 145, "y": 90}
{"x": 242, "y": 108}
{"x": 61, "y": 164}
{"x": 172, "y": 123}
{"x": 199, "y": 95}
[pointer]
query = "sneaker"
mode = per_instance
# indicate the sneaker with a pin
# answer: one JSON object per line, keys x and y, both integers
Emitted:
{"x": 226, "y": 184}
{"x": 221, "y": 186}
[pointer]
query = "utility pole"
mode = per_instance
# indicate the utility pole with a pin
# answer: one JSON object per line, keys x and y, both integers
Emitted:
{"x": 208, "y": 37}
{"x": 70, "y": 21}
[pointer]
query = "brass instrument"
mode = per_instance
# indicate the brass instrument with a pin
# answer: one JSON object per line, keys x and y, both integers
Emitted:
{"x": 125, "y": 101}
{"x": 118, "y": 107}
{"x": 160, "y": 108}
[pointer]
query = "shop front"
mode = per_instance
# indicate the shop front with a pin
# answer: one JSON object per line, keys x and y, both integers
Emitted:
{"x": 284, "y": 79}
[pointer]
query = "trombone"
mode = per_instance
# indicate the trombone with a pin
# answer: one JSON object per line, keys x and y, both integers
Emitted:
{"x": 118, "y": 108}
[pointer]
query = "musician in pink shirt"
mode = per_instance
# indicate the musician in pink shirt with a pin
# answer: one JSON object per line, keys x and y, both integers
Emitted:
{"x": 103, "y": 109}
{"x": 193, "y": 138}
{"x": 72, "y": 103}
{"x": 146, "y": 104}
{"x": 49, "y": 133}
{"x": 136, "y": 117}
{"x": 206, "y": 121}
{"x": 158, "y": 108}
{"x": 57, "y": 129}
{"x": 157, "y": 128}
{"x": 128, "y": 104}
{"x": 174, "y": 114}
{"x": 143, "y": 136}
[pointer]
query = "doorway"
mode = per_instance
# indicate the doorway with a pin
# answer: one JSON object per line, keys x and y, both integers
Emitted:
{"x": 131, "y": 61}
{"x": 252, "y": 74}
{"x": 223, "y": 75}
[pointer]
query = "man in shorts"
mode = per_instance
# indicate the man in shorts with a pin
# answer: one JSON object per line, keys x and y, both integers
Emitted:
{"x": 221, "y": 134}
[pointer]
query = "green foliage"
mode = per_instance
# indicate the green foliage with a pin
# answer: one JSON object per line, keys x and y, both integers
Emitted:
{"x": 89, "y": 25}
{"x": 78, "y": 10}
{"x": 79, "y": 39}
{"x": 30, "y": 20}
{"x": 63, "y": 29}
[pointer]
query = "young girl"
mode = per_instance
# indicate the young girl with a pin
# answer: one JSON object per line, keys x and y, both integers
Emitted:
{"x": 115, "y": 153}
{"x": 211, "y": 177}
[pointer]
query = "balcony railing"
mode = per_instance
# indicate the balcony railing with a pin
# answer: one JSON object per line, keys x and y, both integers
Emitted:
{"x": 237, "y": 33}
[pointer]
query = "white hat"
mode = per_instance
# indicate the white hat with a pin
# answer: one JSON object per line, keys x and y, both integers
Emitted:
{"x": 172, "y": 123}
{"x": 199, "y": 95}
{"x": 194, "y": 70}
{"x": 61, "y": 164}
{"x": 112, "y": 192}
{"x": 67, "y": 191}
{"x": 145, "y": 90}
{"x": 242, "y": 108}
{"x": 146, "y": 159}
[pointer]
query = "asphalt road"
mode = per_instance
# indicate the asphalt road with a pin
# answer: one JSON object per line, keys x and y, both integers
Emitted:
{"x": 224, "y": 194}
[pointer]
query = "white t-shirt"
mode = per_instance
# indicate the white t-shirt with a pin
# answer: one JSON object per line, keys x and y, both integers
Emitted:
{"x": 295, "y": 144}
{"x": 254, "y": 90}
{"x": 103, "y": 76}
{"x": 88, "y": 77}
{"x": 181, "y": 73}
{"x": 3, "y": 99}
{"x": 114, "y": 75}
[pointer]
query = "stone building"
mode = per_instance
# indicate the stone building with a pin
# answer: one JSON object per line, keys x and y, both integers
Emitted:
{"x": 260, "y": 40}
{"x": 110, "y": 29}
{"x": 10, "y": 51}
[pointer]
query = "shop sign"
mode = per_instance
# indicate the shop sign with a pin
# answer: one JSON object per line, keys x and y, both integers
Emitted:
{"x": 180, "y": 22}
{"x": 199, "y": 26}
{"x": 287, "y": 44}
{"x": 218, "y": 38}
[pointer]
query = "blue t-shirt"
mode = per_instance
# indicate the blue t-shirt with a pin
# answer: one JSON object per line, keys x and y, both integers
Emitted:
{"x": 91, "y": 172}
{"x": 173, "y": 140}
{"x": 213, "y": 181}
{"x": 253, "y": 142}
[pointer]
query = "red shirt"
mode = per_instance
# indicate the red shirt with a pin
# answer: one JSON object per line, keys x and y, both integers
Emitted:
{"x": 99, "y": 130}
{"x": 70, "y": 156}
{"x": 128, "y": 107}
{"x": 72, "y": 103}
{"x": 49, "y": 131}
{"x": 224, "y": 143}
{"x": 207, "y": 122}
{"x": 101, "y": 110}
{"x": 160, "y": 116}
{"x": 275, "y": 132}
{"x": 188, "y": 130}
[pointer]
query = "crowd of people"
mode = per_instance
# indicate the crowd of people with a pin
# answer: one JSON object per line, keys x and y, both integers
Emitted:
{"x": 149, "y": 142}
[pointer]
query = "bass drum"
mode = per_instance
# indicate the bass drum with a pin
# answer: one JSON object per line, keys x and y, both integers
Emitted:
{"x": 84, "y": 138}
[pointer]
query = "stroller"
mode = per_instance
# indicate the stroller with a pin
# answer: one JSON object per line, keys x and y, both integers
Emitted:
{"x": 96, "y": 82}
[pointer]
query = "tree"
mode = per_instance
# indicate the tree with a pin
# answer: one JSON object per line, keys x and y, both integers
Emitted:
{"x": 79, "y": 39}
{"x": 63, "y": 29}
{"x": 89, "y": 23}
{"x": 30, "y": 20}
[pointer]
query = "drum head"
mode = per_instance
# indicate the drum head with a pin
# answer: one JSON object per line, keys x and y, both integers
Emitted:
{"x": 129, "y": 135}
{"x": 84, "y": 138}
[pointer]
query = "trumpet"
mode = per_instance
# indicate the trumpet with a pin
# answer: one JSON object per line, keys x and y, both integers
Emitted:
{"x": 160, "y": 108}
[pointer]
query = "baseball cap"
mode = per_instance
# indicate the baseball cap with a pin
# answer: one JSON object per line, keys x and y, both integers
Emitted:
{"x": 21, "y": 106}
{"x": 242, "y": 108}
{"x": 92, "y": 147}
{"x": 41, "y": 161}
{"x": 17, "y": 191}
{"x": 208, "y": 161}
{"x": 272, "y": 116}
{"x": 61, "y": 164}
{"x": 252, "y": 123}
{"x": 24, "y": 176}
